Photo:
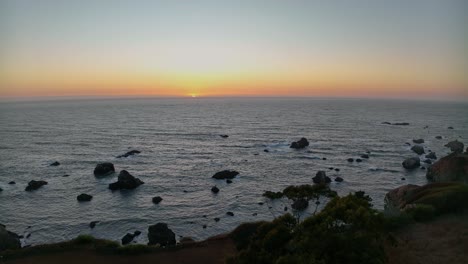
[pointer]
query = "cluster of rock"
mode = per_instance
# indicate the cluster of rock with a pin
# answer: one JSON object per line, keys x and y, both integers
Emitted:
{"x": 104, "y": 169}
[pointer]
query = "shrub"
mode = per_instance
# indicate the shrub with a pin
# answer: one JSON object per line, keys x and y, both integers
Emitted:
{"x": 83, "y": 239}
{"x": 421, "y": 212}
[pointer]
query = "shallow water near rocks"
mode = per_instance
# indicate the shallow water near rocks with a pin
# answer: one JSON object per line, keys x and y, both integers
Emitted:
{"x": 181, "y": 149}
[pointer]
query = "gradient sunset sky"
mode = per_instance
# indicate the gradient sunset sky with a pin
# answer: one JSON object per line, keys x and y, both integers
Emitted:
{"x": 357, "y": 48}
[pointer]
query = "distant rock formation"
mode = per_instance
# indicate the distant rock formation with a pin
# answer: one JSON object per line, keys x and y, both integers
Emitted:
{"x": 302, "y": 143}
{"x": 103, "y": 169}
{"x": 34, "y": 185}
{"x": 125, "y": 181}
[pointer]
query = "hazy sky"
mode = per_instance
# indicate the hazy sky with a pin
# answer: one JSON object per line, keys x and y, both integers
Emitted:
{"x": 416, "y": 48}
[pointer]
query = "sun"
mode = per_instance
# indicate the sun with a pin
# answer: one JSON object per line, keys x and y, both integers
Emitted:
{"x": 193, "y": 95}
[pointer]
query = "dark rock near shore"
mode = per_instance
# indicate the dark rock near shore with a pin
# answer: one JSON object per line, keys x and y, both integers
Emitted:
{"x": 225, "y": 174}
{"x": 55, "y": 163}
{"x": 321, "y": 178}
{"x": 161, "y": 234}
{"x": 130, "y": 153}
{"x": 103, "y": 169}
{"x": 418, "y": 141}
{"x": 92, "y": 224}
{"x": 8, "y": 239}
{"x": 12, "y": 182}
{"x": 418, "y": 149}
{"x": 157, "y": 199}
{"x": 34, "y": 185}
{"x": 125, "y": 181}
{"x": 453, "y": 167}
{"x": 455, "y": 146}
{"x": 214, "y": 189}
{"x": 300, "y": 204}
{"x": 431, "y": 155}
{"x": 339, "y": 179}
{"x": 364, "y": 156}
{"x": 127, "y": 238}
{"x": 84, "y": 197}
{"x": 411, "y": 163}
{"x": 302, "y": 143}
{"x": 230, "y": 213}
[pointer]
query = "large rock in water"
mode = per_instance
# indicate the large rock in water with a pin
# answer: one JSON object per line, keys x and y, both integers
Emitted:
{"x": 125, "y": 181}
{"x": 455, "y": 146}
{"x": 411, "y": 163}
{"x": 418, "y": 149}
{"x": 84, "y": 197}
{"x": 443, "y": 197}
{"x": 225, "y": 174}
{"x": 103, "y": 169}
{"x": 34, "y": 185}
{"x": 453, "y": 167}
{"x": 321, "y": 178}
{"x": 302, "y": 143}
{"x": 8, "y": 240}
{"x": 161, "y": 234}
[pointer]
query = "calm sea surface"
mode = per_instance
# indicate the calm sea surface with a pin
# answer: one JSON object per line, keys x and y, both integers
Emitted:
{"x": 181, "y": 149}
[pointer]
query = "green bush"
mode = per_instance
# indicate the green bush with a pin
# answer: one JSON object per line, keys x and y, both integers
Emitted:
{"x": 83, "y": 239}
{"x": 421, "y": 212}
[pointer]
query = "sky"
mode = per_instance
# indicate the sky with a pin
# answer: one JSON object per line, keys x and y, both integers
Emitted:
{"x": 329, "y": 48}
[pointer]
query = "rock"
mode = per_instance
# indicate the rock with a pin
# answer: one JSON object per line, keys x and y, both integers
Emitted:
{"x": 411, "y": 163}
{"x": 407, "y": 143}
{"x": 225, "y": 174}
{"x": 401, "y": 124}
{"x": 438, "y": 137}
{"x": 125, "y": 181}
{"x": 161, "y": 234}
{"x": 266, "y": 150}
{"x": 331, "y": 168}
{"x": 321, "y": 178}
{"x": 418, "y": 149}
{"x": 93, "y": 224}
{"x": 418, "y": 141}
{"x": 217, "y": 219}
{"x": 403, "y": 178}
{"x": 157, "y": 199}
{"x": 130, "y": 153}
{"x": 65, "y": 175}
{"x": 386, "y": 123}
{"x": 300, "y": 204}
{"x": 364, "y": 156}
{"x": 186, "y": 240}
{"x": 337, "y": 169}
{"x": 302, "y": 143}
{"x": 423, "y": 168}
{"x": 1, "y": 189}
{"x": 455, "y": 146}
{"x": 453, "y": 167}
{"x": 84, "y": 197}
{"x": 204, "y": 226}
{"x": 12, "y": 182}
{"x": 136, "y": 233}
{"x": 103, "y": 169}
{"x": 339, "y": 179}
{"x": 127, "y": 239}
{"x": 358, "y": 160}
{"x": 431, "y": 155}
{"x": 449, "y": 127}
{"x": 285, "y": 208}
{"x": 8, "y": 240}
{"x": 214, "y": 189}
{"x": 55, "y": 163}
{"x": 228, "y": 181}
{"x": 324, "y": 158}
{"x": 34, "y": 185}
{"x": 427, "y": 161}
{"x": 224, "y": 136}
{"x": 230, "y": 213}
{"x": 350, "y": 160}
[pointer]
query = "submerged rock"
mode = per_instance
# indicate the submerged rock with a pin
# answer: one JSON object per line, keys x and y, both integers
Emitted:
{"x": 321, "y": 178}
{"x": 411, "y": 163}
{"x": 34, "y": 185}
{"x": 350, "y": 159}
{"x": 418, "y": 141}
{"x": 161, "y": 234}
{"x": 431, "y": 155}
{"x": 215, "y": 189}
{"x": 103, "y": 169}
{"x": 130, "y": 153}
{"x": 225, "y": 174}
{"x": 358, "y": 160}
{"x": 302, "y": 143}
{"x": 453, "y": 167}
{"x": 339, "y": 179}
{"x": 230, "y": 213}
{"x": 364, "y": 156}
{"x": 12, "y": 182}
{"x": 455, "y": 146}
{"x": 8, "y": 239}
{"x": 84, "y": 197}
{"x": 438, "y": 137}
{"x": 224, "y": 136}
{"x": 92, "y": 224}
{"x": 449, "y": 127}
{"x": 55, "y": 163}
{"x": 418, "y": 149}
{"x": 300, "y": 204}
{"x": 125, "y": 181}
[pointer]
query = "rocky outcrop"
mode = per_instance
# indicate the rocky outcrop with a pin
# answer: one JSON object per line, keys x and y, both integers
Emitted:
{"x": 161, "y": 234}
{"x": 418, "y": 141}
{"x": 129, "y": 153}
{"x": 453, "y": 167}
{"x": 8, "y": 240}
{"x": 455, "y": 146}
{"x": 103, "y": 169}
{"x": 84, "y": 197}
{"x": 418, "y": 149}
{"x": 321, "y": 178}
{"x": 34, "y": 185}
{"x": 157, "y": 199}
{"x": 411, "y": 163}
{"x": 125, "y": 181}
{"x": 300, "y": 204}
{"x": 302, "y": 143}
{"x": 225, "y": 174}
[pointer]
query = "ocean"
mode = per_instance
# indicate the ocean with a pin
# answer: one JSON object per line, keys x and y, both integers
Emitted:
{"x": 181, "y": 149}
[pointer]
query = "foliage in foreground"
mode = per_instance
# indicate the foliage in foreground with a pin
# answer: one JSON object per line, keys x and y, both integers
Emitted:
{"x": 347, "y": 230}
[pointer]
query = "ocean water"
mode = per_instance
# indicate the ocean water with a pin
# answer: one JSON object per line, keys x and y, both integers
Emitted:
{"x": 181, "y": 149}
